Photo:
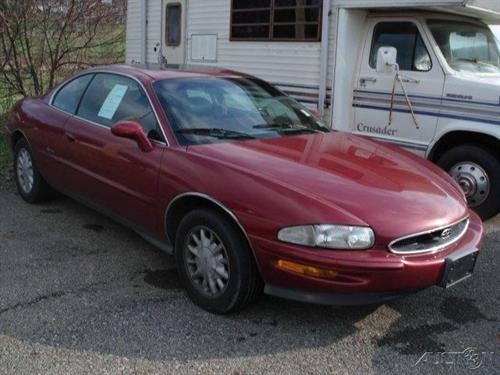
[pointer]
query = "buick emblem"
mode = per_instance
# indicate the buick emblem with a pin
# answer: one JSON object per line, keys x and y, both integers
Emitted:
{"x": 446, "y": 233}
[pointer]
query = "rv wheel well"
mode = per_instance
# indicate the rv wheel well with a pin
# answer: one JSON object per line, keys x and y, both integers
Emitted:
{"x": 457, "y": 138}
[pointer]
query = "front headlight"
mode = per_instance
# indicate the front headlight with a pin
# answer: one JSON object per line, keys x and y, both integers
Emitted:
{"x": 329, "y": 236}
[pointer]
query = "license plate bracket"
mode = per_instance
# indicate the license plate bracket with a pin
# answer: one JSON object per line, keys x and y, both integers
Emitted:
{"x": 458, "y": 268}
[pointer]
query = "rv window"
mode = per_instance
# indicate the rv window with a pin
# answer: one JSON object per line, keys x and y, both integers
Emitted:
{"x": 405, "y": 37}
{"x": 468, "y": 47}
{"x": 174, "y": 22}
{"x": 276, "y": 20}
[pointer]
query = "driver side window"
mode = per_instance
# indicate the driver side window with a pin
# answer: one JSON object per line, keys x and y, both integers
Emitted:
{"x": 405, "y": 37}
{"x": 111, "y": 98}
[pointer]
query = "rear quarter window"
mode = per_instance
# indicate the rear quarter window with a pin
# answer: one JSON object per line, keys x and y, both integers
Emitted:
{"x": 68, "y": 97}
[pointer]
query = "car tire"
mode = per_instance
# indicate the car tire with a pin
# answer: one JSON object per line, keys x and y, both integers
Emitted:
{"x": 215, "y": 262}
{"x": 477, "y": 170}
{"x": 31, "y": 185}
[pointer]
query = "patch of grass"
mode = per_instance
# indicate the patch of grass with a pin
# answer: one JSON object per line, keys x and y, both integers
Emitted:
{"x": 104, "y": 54}
{"x": 6, "y": 173}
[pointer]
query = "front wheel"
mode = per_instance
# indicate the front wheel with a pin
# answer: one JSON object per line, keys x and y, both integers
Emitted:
{"x": 215, "y": 263}
{"x": 477, "y": 171}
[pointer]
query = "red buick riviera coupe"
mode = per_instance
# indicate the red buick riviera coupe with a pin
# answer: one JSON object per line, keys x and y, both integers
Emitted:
{"x": 246, "y": 187}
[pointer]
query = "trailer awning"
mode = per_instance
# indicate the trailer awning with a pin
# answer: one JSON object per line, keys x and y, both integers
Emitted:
{"x": 485, "y": 10}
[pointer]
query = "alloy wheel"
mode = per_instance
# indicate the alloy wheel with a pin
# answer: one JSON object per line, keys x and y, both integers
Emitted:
{"x": 207, "y": 261}
{"x": 25, "y": 173}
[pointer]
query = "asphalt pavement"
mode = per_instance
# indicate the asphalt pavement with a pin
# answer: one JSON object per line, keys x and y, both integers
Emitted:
{"x": 81, "y": 294}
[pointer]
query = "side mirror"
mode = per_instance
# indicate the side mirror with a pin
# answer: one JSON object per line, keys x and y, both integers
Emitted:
{"x": 133, "y": 130}
{"x": 387, "y": 60}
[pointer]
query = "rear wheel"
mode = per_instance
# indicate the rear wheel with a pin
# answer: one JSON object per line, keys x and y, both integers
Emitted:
{"x": 477, "y": 171}
{"x": 30, "y": 183}
{"x": 215, "y": 263}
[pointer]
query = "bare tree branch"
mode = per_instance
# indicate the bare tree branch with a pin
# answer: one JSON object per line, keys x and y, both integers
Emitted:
{"x": 43, "y": 41}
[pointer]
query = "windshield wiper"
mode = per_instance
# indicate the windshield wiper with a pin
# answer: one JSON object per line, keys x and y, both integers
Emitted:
{"x": 216, "y": 133}
{"x": 271, "y": 126}
{"x": 286, "y": 127}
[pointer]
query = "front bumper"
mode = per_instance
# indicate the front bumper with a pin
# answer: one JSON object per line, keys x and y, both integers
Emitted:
{"x": 364, "y": 277}
{"x": 337, "y": 299}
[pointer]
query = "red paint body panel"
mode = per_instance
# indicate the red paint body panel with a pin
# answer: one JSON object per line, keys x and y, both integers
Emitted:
{"x": 371, "y": 271}
{"x": 340, "y": 179}
{"x": 113, "y": 172}
{"x": 269, "y": 184}
{"x": 44, "y": 129}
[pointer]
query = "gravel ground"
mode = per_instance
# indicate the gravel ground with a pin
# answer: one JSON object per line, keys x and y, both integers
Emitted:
{"x": 82, "y": 294}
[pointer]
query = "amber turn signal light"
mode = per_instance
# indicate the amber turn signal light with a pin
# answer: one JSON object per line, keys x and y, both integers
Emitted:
{"x": 306, "y": 270}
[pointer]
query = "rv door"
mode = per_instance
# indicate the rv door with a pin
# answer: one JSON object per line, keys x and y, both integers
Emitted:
{"x": 173, "y": 31}
{"x": 376, "y": 92}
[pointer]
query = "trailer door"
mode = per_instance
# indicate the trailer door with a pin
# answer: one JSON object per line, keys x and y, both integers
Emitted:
{"x": 423, "y": 79}
{"x": 173, "y": 31}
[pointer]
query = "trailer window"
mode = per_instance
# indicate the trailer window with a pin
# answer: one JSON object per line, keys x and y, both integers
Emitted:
{"x": 276, "y": 20}
{"x": 173, "y": 26}
{"x": 405, "y": 37}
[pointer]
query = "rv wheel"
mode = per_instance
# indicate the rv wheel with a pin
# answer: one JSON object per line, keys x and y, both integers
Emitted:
{"x": 477, "y": 171}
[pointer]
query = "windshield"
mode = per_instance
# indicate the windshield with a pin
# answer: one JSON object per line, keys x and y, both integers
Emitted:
{"x": 467, "y": 47}
{"x": 214, "y": 109}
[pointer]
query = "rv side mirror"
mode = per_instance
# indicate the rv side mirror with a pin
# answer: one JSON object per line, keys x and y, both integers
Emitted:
{"x": 387, "y": 60}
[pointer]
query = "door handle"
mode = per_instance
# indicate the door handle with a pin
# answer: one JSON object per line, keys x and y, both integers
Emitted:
{"x": 70, "y": 137}
{"x": 364, "y": 80}
{"x": 407, "y": 79}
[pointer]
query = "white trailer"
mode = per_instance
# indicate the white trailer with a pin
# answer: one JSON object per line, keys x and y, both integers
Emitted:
{"x": 445, "y": 104}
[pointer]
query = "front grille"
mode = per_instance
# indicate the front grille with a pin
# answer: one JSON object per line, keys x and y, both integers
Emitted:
{"x": 429, "y": 241}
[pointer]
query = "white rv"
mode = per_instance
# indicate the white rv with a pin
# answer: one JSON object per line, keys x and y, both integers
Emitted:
{"x": 421, "y": 74}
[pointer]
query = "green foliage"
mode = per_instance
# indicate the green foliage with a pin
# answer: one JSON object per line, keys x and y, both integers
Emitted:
{"x": 99, "y": 55}
{"x": 5, "y": 164}
{"x": 7, "y": 100}
{"x": 5, "y": 155}
{"x": 44, "y": 42}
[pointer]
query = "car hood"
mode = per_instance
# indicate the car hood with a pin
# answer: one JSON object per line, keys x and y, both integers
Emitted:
{"x": 393, "y": 191}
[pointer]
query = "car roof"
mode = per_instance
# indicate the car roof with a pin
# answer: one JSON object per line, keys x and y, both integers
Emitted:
{"x": 156, "y": 73}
